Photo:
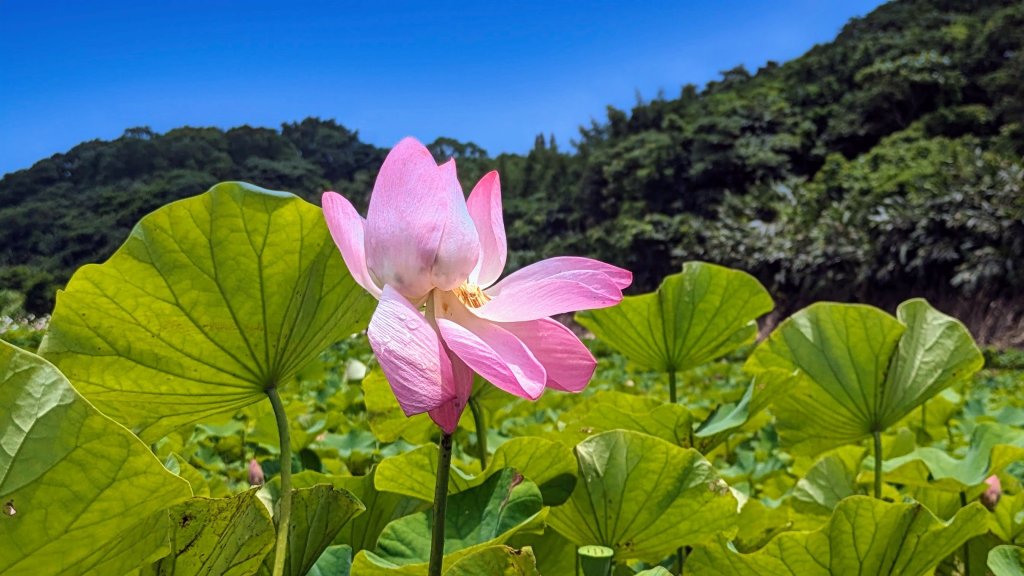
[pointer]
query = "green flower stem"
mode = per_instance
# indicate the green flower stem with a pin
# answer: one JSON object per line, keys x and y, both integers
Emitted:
{"x": 672, "y": 386}
{"x": 285, "y": 502}
{"x": 878, "y": 464}
{"x": 967, "y": 545}
{"x": 480, "y": 420}
{"x": 444, "y": 466}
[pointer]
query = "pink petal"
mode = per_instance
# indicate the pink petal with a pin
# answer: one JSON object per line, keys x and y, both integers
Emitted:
{"x": 568, "y": 363}
{"x": 459, "y": 248}
{"x": 490, "y": 350}
{"x": 555, "y": 286}
{"x": 621, "y": 277}
{"x": 448, "y": 414}
{"x": 485, "y": 210}
{"x": 411, "y": 355}
{"x": 347, "y": 226}
{"x": 418, "y": 219}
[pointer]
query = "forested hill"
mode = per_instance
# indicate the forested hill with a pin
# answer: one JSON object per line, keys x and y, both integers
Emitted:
{"x": 884, "y": 164}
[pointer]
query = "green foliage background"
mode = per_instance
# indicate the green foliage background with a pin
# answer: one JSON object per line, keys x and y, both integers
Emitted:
{"x": 885, "y": 164}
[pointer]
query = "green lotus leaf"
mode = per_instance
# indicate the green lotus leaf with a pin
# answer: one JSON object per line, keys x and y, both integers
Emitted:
{"x": 80, "y": 493}
{"x": 211, "y": 301}
{"x": 831, "y": 479}
{"x": 993, "y": 447}
{"x": 643, "y": 497}
{"x": 695, "y": 316}
{"x": 856, "y": 370}
{"x": 656, "y": 571}
{"x": 1006, "y": 560}
{"x": 549, "y": 465}
{"x": 863, "y": 536}
{"x": 496, "y": 561}
{"x": 612, "y": 410}
{"x": 214, "y": 537}
{"x": 335, "y": 561}
{"x": 318, "y": 513}
{"x": 481, "y": 517}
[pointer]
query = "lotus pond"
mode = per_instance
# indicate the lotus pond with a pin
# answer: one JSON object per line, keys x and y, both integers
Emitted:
{"x": 146, "y": 433}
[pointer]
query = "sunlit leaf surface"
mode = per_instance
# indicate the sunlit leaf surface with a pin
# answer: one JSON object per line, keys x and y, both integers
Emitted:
{"x": 80, "y": 493}
{"x": 209, "y": 302}
{"x": 695, "y": 316}
{"x": 864, "y": 536}
{"x": 856, "y": 370}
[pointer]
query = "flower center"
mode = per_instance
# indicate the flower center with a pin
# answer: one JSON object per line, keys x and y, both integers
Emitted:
{"x": 471, "y": 295}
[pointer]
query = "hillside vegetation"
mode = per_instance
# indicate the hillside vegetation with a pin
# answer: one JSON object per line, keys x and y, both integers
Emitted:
{"x": 885, "y": 164}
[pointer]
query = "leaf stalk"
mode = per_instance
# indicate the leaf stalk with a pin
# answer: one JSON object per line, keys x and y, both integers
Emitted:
{"x": 284, "y": 510}
{"x": 967, "y": 545}
{"x": 878, "y": 464}
{"x": 672, "y": 386}
{"x": 480, "y": 421}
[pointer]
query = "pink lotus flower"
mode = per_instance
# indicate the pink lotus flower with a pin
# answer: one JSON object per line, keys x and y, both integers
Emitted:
{"x": 990, "y": 497}
{"x": 424, "y": 246}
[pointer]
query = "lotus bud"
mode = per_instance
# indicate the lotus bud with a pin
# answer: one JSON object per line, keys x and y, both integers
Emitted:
{"x": 991, "y": 496}
{"x": 255, "y": 473}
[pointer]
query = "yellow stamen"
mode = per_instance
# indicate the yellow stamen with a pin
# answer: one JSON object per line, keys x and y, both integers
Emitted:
{"x": 471, "y": 295}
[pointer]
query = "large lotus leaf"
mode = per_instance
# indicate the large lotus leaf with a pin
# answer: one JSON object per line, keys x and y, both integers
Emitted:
{"x": 1006, "y": 560}
{"x": 211, "y": 301}
{"x": 225, "y": 536}
{"x": 697, "y": 315}
{"x": 484, "y": 516}
{"x": 856, "y": 370}
{"x": 80, "y": 493}
{"x": 612, "y": 410}
{"x": 548, "y": 464}
{"x": 643, "y": 497}
{"x": 993, "y": 447}
{"x": 863, "y": 536}
{"x": 496, "y": 561}
{"x": 318, "y": 514}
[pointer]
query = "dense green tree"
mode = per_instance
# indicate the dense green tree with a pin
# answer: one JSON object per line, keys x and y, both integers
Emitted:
{"x": 882, "y": 165}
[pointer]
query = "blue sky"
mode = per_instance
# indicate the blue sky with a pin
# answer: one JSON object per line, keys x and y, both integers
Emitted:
{"x": 495, "y": 73}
